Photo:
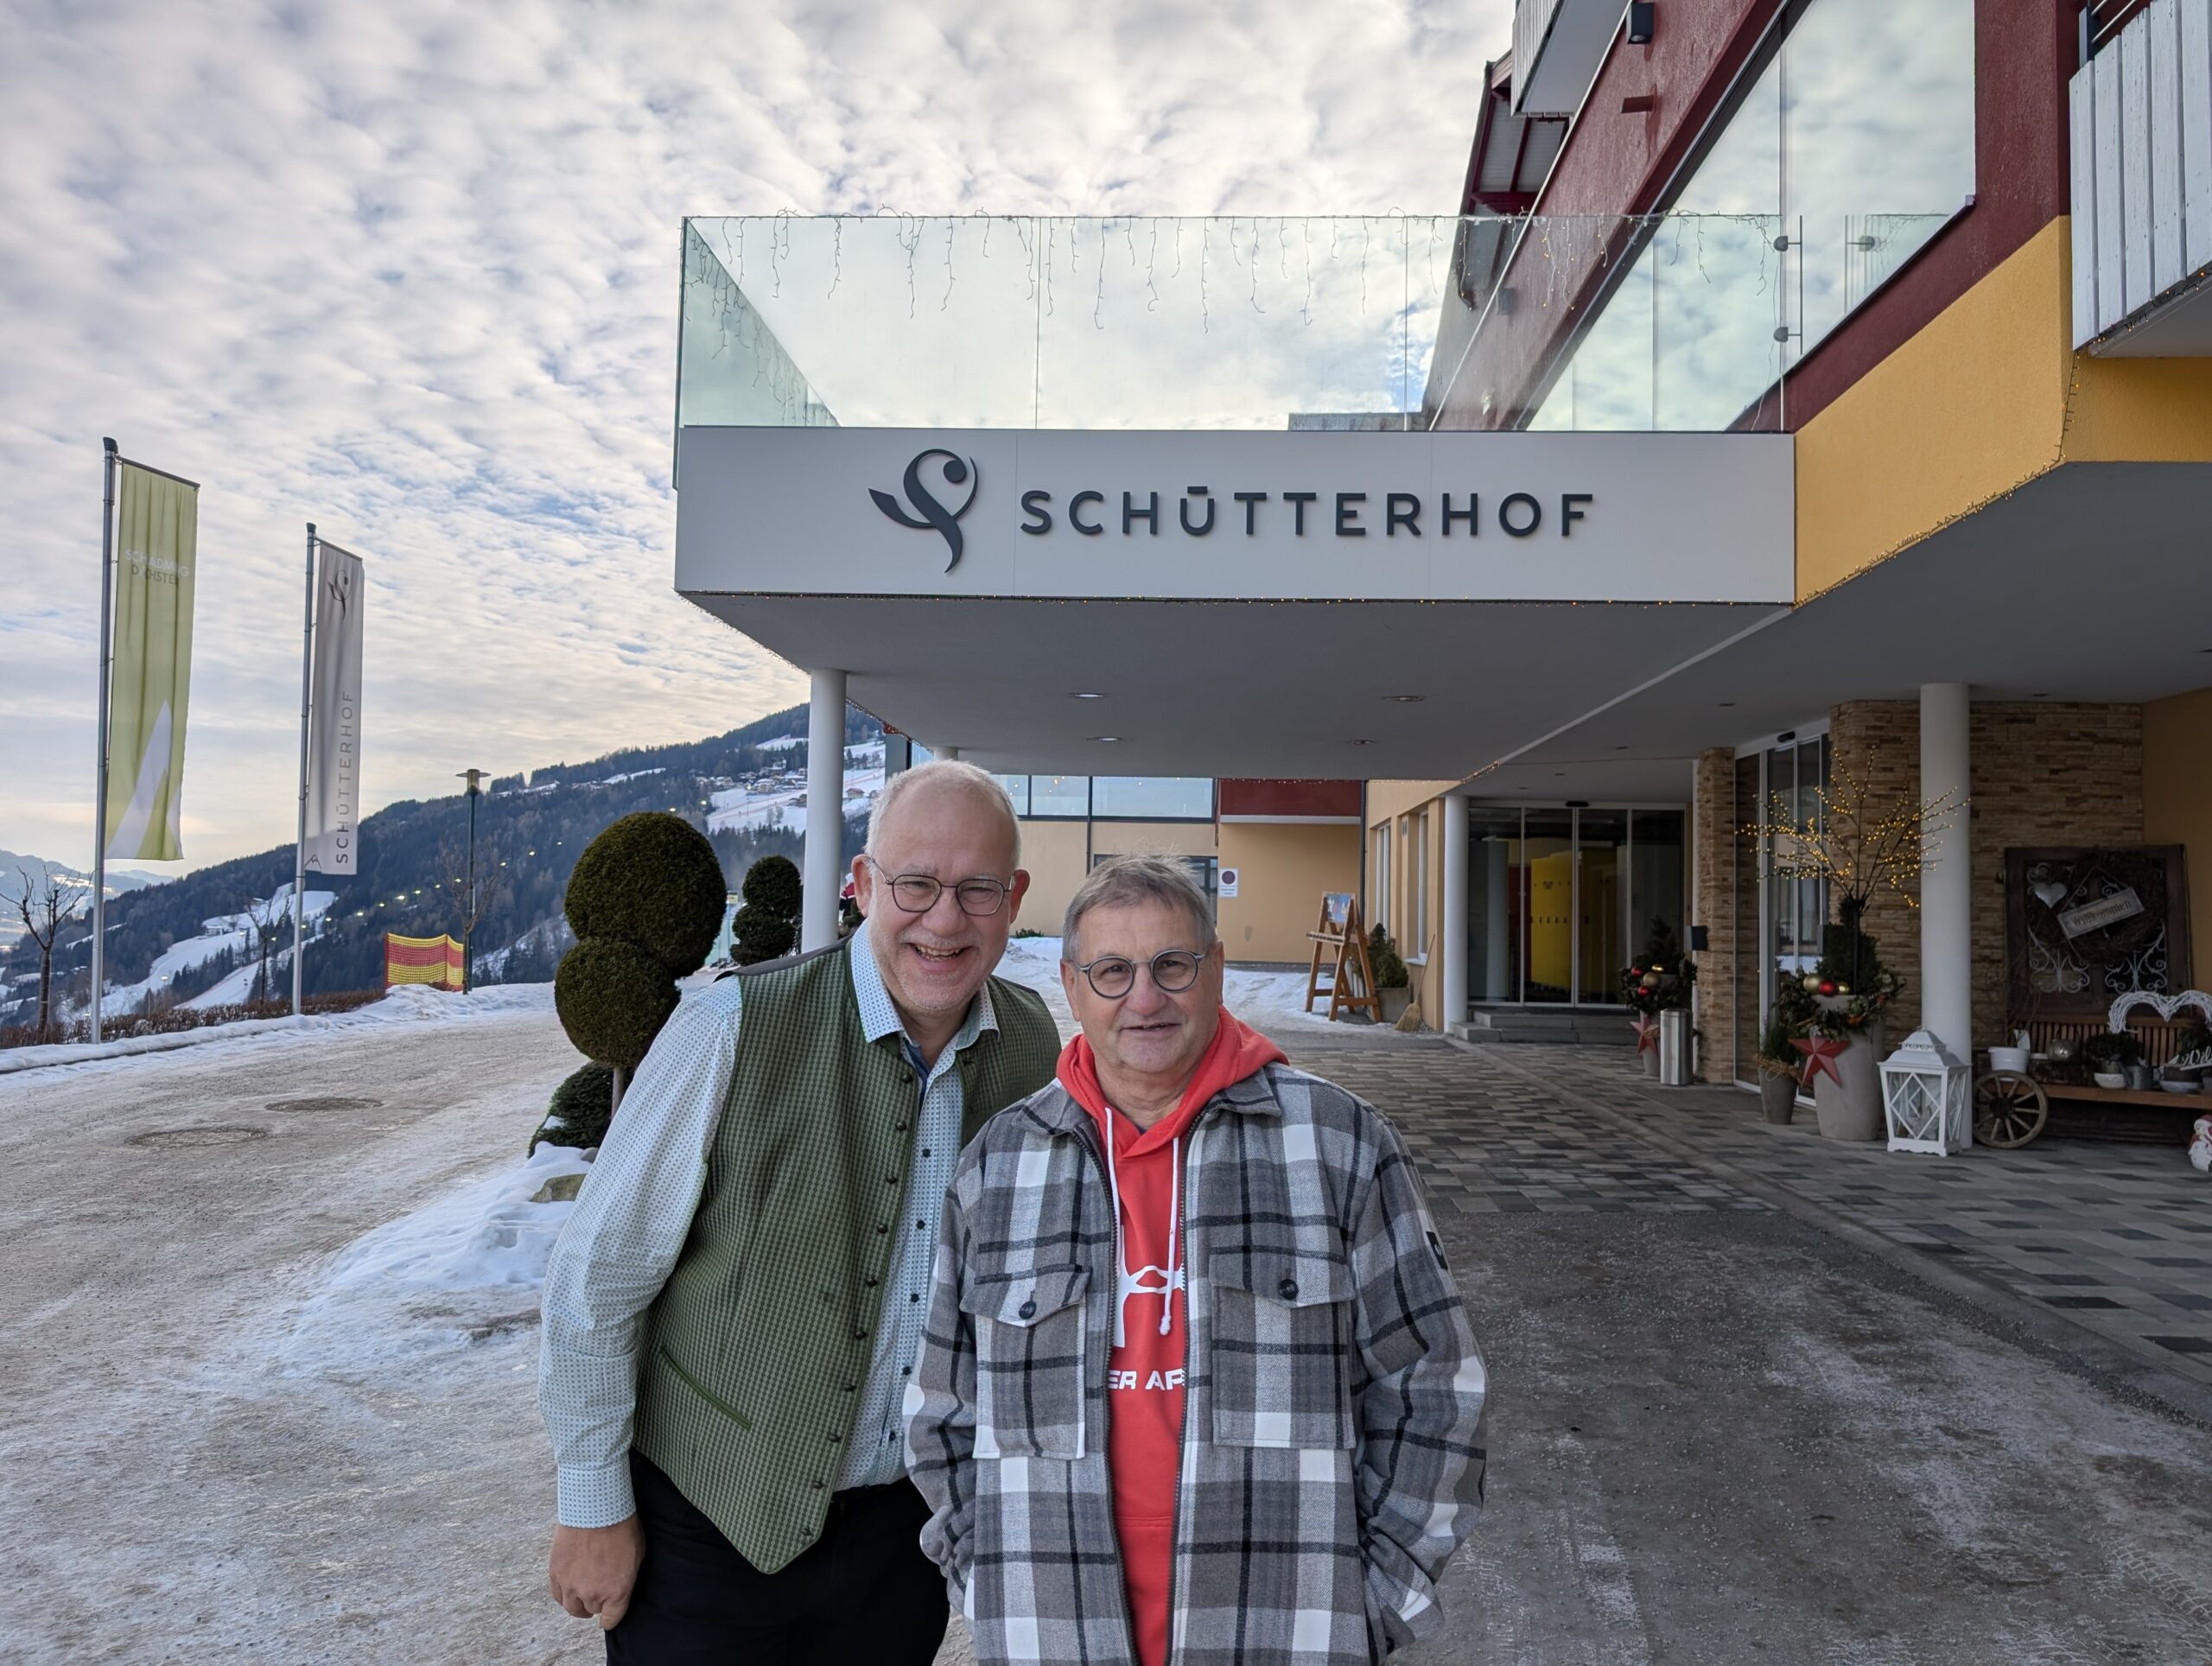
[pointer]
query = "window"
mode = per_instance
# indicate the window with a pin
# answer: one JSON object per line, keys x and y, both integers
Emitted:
{"x": 1060, "y": 795}
{"x": 1381, "y": 908}
{"x": 1152, "y": 797}
{"x": 1017, "y": 788}
{"x": 1417, "y": 921}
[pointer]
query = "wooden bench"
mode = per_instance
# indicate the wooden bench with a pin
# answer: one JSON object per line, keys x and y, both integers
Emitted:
{"x": 2085, "y": 1111}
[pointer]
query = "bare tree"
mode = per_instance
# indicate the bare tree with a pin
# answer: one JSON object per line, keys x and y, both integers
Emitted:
{"x": 268, "y": 919}
{"x": 45, "y": 906}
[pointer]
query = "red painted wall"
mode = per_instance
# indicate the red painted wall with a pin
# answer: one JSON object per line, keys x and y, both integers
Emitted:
{"x": 1255, "y": 797}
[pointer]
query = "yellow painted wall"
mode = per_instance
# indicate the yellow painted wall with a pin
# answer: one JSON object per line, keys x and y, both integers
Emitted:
{"x": 1282, "y": 869}
{"x": 1388, "y": 799}
{"x": 1053, "y": 854}
{"x": 1152, "y": 838}
{"x": 2177, "y": 802}
{"x": 1985, "y": 397}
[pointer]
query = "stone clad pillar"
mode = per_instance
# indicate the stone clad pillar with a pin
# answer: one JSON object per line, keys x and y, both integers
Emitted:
{"x": 1946, "y": 882}
{"x": 823, "y": 872}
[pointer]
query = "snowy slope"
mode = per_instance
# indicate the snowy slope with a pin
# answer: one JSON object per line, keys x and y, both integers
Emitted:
{"x": 231, "y": 931}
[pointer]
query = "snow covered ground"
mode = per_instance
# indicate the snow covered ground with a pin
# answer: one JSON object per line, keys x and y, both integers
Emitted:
{"x": 1272, "y": 1002}
{"x": 785, "y": 804}
{"x": 233, "y": 933}
{"x": 409, "y": 1004}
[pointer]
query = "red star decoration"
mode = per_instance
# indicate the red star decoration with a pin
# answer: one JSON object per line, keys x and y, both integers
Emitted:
{"x": 1647, "y": 1034}
{"x": 1820, "y": 1053}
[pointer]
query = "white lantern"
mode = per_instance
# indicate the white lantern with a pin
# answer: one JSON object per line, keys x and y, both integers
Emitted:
{"x": 1928, "y": 1098}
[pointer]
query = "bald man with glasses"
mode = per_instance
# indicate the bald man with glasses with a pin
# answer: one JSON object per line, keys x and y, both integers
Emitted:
{"x": 735, "y": 1308}
{"x": 1197, "y": 1377}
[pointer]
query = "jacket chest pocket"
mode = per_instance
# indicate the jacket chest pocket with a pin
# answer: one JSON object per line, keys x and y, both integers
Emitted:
{"x": 1030, "y": 1379}
{"x": 1281, "y": 1357}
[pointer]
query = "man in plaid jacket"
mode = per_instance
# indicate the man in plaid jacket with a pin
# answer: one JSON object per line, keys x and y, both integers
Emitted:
{"x": 1196, "y": 1384}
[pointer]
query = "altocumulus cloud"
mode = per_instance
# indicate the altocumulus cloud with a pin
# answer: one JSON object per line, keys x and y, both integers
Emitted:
{"x": 408, "y": 271}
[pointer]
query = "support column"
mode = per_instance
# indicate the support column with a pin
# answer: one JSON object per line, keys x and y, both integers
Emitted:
{"x": 1453, "y": 930}
{"x": 950, "y": 754}
{"x": 1946, "y": 884}
{"x": 823, "y": 874}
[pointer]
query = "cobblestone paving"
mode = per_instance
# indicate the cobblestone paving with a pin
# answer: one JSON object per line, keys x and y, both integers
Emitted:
{"x": 2116, "y": 1237}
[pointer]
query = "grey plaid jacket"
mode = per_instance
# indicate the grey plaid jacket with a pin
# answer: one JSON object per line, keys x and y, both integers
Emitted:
{"x": 1330, "y": 1458}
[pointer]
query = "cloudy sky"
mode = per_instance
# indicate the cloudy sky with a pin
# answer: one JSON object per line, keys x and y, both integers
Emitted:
{"x": 410, "y": 270}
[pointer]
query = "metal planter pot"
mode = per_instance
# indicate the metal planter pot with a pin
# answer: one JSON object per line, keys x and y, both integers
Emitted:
{"x": 1778, "y": 1098}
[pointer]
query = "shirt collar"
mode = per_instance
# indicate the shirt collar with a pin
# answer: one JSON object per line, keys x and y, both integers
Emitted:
{"x": 879, "y": 1018}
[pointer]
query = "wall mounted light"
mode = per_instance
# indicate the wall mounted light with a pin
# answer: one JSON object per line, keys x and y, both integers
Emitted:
{"x": 1639, "y": 22}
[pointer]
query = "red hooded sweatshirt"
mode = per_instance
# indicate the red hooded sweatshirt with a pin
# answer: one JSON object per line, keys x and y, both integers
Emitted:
{"x": 1144, "y": 1449}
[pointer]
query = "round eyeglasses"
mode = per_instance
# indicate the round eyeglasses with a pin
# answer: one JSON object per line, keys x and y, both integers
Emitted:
{"x": 1173, "y": 970}
{"x": 917, "y": 893}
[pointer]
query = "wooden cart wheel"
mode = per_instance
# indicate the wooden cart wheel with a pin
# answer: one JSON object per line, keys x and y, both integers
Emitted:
{"x": 2009, "y": 1109}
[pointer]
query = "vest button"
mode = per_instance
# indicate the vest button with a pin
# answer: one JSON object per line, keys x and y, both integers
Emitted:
{"x": 1027, "y": 1310}
{"x": 835, "y": 1439}
{"x": 1288, "y": 1290}
{"x": 901, "y": 1128}
{"x": 882, "y": 1226}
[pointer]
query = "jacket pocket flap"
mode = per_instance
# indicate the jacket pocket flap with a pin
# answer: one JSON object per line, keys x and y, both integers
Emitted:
{"x": 1287, "y": 1276}
{"x": 1028, "y": 1297}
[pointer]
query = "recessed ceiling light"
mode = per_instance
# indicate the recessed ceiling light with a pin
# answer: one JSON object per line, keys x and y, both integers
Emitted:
{"x": 2039, "y": 696}
{"x": 1728, "y": 703}
{"x": 1415, "y": 699}
{"x": 1086, "y": 696}
{"x": 1105, "y": 737}
{"x": 1363, "y": 743}
{"x": 1620, "y": 749}
{"x": 1559, "y": 775}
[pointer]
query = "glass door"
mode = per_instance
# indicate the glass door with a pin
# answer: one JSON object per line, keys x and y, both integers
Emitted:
{"x": 1601, "y": 905}
{"x": 1548, "y": 906}
{"x": 1494, "y": 904}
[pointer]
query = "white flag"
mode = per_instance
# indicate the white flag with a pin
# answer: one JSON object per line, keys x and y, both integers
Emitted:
{"x": 333, "y": 842}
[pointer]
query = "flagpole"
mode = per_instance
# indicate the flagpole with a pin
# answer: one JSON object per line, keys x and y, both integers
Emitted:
{"x": 300, "y": 850}
{"x": 100, "y": 787}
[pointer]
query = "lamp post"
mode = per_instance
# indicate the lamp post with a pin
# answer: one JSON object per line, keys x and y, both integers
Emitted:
{"x": 475, "y": 779}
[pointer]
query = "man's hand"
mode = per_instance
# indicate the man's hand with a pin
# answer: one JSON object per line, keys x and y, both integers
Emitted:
{"x": 594, "y": 1569}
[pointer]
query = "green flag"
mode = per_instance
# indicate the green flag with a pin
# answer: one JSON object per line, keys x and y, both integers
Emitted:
{"x": 157, "y": 544}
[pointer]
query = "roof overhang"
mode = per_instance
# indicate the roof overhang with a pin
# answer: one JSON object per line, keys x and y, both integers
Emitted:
{"x": 953, "y": 575}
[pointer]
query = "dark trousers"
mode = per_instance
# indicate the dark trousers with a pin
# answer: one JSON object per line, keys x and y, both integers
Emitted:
{"x": 863, "y": 1592}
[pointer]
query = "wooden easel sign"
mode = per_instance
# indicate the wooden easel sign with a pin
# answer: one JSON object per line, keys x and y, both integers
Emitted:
{"x": 1339, "y": 935}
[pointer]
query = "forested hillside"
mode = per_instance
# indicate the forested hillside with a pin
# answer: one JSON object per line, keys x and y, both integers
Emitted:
{"x": 529, "y": 833}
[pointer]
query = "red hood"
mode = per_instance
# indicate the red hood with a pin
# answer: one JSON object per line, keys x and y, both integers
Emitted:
{"x": 1238, "y": 1051}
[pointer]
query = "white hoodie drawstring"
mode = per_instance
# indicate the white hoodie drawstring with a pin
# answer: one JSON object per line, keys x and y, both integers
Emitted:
{"x": 1125, "y": 1280}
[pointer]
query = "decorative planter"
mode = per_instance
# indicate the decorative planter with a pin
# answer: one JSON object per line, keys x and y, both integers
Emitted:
{"x": 1778, "y": 1098}
{"x": 1852, "y": 1109}
{"x": 1650, "y": 1057}
{"x": 1394, "y": 1002}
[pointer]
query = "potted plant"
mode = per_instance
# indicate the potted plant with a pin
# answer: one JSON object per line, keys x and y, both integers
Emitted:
{"x": 1779, "y": 1064}
{"x": 1392, "y": 982}
{"x": 1848, "y": 990}
{"x": 2110, "y": 1055}
{"x": 1658, "y": 980}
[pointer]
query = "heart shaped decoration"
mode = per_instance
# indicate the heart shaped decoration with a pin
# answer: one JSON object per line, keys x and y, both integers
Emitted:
{"x": 2164, "y": 1005}
{"x": 2051, "y": 891}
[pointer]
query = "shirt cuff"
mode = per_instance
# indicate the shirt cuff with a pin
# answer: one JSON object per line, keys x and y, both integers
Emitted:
{"x": 595, "y": 1495}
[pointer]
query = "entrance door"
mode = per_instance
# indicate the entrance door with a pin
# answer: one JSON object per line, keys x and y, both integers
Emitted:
{"x": 1600, "y": 905}
{"x": 1548, "y": 905}
{"x": 1559, "y": 898}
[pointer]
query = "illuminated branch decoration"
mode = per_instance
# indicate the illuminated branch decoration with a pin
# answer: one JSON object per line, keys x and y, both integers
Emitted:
{"x": 1858, "y": 849}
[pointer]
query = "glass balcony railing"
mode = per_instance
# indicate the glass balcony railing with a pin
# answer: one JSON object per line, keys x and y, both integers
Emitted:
{"x": 1382, "y": 322}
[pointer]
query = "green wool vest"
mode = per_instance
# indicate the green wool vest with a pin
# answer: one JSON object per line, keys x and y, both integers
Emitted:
{"x": 752, "y": 1356}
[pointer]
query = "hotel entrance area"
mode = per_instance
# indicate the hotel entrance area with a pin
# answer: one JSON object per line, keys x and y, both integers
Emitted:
{"x": 1561, "y": 898}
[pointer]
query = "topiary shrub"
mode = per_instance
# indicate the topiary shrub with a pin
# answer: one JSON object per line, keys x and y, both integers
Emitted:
{"x": 582, "y": 1106}
{"x": 613, "y": 997}
{"x": 651, "y": 880}
{"x": 766, "y": 926}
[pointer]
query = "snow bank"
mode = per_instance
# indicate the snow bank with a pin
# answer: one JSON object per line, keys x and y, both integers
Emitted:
{"x": 409, "y": 1004}
{"x": 463, "y": 1270}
